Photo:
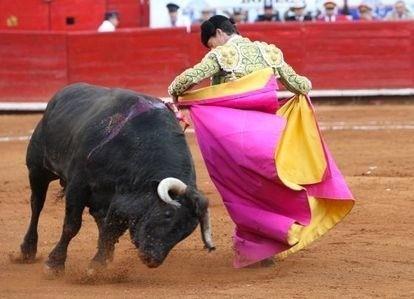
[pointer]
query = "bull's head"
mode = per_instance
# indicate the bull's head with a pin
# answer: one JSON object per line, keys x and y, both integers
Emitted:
{"x": 171, "y": 220}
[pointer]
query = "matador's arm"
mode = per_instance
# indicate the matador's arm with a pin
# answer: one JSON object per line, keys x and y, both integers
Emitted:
{"x": 205, "y": 69}
{"x": 292, "y": 81}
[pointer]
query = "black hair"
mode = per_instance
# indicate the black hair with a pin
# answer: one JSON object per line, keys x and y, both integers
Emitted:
{"x": 209, "y": 27}
{"x": 111, "y": 14}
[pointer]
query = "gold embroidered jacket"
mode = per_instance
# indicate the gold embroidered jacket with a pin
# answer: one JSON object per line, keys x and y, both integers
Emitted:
{"x": 235, "y": 59}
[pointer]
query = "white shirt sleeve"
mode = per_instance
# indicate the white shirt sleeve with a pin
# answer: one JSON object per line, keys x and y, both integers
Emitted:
{"x": 106, "y": 26}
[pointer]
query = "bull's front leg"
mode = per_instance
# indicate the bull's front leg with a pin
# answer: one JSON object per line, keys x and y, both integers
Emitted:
{"x": 75, "y": 204}
{"x": 111, "y": 228}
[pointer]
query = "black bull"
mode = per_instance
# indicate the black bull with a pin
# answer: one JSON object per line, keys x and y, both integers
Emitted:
{"x": 124, "y": 156}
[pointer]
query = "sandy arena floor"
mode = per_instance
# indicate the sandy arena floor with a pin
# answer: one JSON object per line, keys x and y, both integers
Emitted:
{"x": 369, "y": 254}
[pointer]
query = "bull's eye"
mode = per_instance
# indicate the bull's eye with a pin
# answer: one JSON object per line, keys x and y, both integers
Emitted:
{"x": 168, "y": 214}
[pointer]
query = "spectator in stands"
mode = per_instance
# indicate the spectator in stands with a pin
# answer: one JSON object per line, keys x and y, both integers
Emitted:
{"x": 330, "y": 13}
{"x": 269, "y": 14}
{"x": 206, "y": 13}
{"x": 239, "y": 16}
{"x": 381, "y": 10}
{"x": 110, "y": 23}
{"x": 193, "y": 10}
{"x": 175, "y": 19}
{"x": 365, "y": 12}
{"x": 298, "y": 10}
{"x": 399, "y": 13}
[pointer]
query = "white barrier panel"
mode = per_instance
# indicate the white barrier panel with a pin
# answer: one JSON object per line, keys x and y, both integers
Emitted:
{"x": 41, "y": 106}
{"x": 324, "y": 126}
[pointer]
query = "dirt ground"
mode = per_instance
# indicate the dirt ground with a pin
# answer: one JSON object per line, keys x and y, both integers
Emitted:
{"x": 369, "y": 254}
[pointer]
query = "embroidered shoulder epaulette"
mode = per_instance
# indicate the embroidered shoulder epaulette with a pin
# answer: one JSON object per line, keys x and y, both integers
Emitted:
{"x": 228, "y": 57}
{"x": 271, "y": 54}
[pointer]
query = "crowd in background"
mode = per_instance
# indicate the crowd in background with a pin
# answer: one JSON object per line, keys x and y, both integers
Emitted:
{"x": 330, "y": 11}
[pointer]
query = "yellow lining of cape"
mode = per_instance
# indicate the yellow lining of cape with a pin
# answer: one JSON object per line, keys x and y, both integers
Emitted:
{"x": 326, "y": 213}
{"x": 300, "y": 157}
{"x": 300, "y": 160}
{"x": 251, "y": 82}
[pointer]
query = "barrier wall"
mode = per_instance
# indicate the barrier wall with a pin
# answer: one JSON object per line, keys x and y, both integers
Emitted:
{"x": 32, "y": 65}
{"x": 75, "y": 14}
{"x": 144, "y": 60}
{"x": 25, "y": 15}
{"x": 70, "y": 15}
{"x": 133, "y": 13}
{"x": 334, "y": 56}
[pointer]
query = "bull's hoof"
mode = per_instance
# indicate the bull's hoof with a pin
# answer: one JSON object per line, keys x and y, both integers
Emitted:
{"x": 22, "y": 258}
{"x": 53, "y": 272}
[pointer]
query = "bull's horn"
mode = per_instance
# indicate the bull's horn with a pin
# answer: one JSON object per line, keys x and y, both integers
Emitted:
{"x": 206, "y": 231}
{"x": 170, "y": 184}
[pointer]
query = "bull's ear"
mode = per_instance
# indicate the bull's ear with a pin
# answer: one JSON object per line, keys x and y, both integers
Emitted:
{"x": 198, "y": 201}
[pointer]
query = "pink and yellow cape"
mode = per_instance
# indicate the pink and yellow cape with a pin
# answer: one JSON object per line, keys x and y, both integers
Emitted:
{"x": 275, "y": 174}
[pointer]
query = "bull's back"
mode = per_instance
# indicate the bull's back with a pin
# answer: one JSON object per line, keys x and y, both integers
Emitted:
{"x": 75, "y": 107}
{"x": 76, "y": 120}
